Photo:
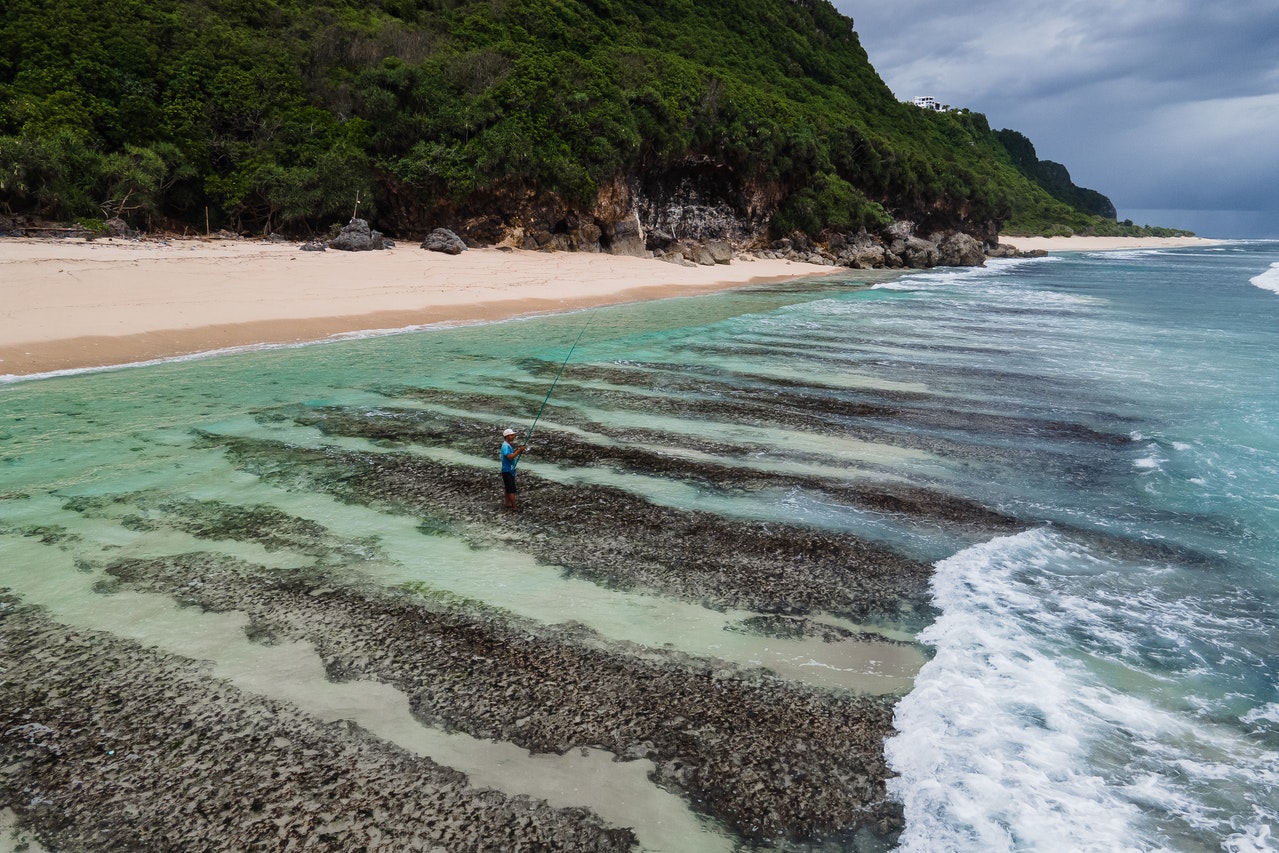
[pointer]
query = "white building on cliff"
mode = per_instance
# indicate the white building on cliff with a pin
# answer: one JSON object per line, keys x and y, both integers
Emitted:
{"x": 928, "y": 102}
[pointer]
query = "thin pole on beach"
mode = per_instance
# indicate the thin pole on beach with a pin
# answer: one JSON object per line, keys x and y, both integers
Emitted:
{"x": 529, "y": 435}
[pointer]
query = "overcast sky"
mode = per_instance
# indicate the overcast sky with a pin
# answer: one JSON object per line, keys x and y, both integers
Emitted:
{"x": 1163, "y": 105}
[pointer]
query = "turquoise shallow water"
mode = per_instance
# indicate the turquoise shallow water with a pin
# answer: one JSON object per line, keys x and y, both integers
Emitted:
{"x": 1102, "y": 678}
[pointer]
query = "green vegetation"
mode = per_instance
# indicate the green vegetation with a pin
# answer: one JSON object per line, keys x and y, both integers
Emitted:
{"x": 1089, "y": 212}
{"x": 1053, "y": 177}
{"x": 274, "y": 114}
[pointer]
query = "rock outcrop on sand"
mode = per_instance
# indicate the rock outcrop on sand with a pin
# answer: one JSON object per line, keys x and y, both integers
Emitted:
{"x": 444, "y": 240}
{"x": 357, "y": 236}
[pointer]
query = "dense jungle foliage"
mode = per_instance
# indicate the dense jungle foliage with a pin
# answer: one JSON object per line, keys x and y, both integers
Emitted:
{"x": 275, "y": 114}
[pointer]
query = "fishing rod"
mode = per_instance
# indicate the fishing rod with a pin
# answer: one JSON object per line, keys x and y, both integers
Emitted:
{"x": 529, "y": 435}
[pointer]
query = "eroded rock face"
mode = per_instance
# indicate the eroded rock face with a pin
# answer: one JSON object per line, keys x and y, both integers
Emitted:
{"x": 699, "y": 213}
{"x": 667, "y": 210}
{"x": 696, "y": 202}
{"x": 627, "y": 238}
{"x": 586, "y": 238}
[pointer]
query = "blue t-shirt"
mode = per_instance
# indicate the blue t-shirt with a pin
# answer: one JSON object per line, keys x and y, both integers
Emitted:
{"x": 508, "y": 465}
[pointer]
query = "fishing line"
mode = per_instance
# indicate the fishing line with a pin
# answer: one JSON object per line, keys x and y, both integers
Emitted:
{"x": 529, "y": 435}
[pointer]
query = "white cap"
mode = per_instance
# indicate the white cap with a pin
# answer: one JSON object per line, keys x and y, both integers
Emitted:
{"x": 508, "y": 432}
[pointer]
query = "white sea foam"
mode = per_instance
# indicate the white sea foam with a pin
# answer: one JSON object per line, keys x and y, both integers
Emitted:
{"x": 1268, "y": 280}
{"x": 1010, "y": 742}
{"x": 1125, "y": 254}
{"x": 941, "y": 276}
{"x": 991, "y": 715}
{"x": 1250, "y": 838}
{"x": 1266, "y": 713}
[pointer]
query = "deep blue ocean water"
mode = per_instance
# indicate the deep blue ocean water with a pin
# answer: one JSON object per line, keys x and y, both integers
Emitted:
{"x": 1104, "y": 679}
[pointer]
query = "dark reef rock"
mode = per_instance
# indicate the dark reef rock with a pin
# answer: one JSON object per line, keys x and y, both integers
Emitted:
{"x": 106, "y": 745}
{"x": 772, "y": 759}
{"x": 768, "y": 568}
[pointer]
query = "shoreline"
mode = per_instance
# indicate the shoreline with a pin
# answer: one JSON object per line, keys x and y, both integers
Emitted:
{"x": 1103, "y": 244}
{"x": 72, "y": 305}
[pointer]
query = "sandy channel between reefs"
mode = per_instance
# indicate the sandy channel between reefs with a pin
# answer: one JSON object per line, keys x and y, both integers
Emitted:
{"x": 72, "y": 304}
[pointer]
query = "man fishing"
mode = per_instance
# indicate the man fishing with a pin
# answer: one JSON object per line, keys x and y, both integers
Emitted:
{"x": 510, "y": 453}
{"x": 509, "y": 456}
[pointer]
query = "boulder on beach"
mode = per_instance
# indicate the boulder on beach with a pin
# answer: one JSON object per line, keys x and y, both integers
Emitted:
{"x": 721, "y": 252}
{"x": 117, "y": 227}
{"x": 357, "y": 236}
{"x": 957, "y": 249}
{"x": 444, "y": 240}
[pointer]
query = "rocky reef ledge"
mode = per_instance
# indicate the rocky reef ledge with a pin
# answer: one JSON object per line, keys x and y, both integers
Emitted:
{"x": 107, "y": 744}
{"x": 111, "y": 746}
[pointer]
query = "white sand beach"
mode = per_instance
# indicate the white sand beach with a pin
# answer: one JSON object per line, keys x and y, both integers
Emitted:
{"x": 67, "y": 304}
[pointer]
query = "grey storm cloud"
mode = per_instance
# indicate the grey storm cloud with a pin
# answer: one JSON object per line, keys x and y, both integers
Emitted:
{"x": 1160, "y": 105}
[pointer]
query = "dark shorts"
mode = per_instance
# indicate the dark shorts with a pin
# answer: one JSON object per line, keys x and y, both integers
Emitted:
{"x": 508, "y": 480}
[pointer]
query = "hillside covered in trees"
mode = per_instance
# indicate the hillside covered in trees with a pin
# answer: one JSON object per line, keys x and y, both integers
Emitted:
{"x": 741, "y": 119}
